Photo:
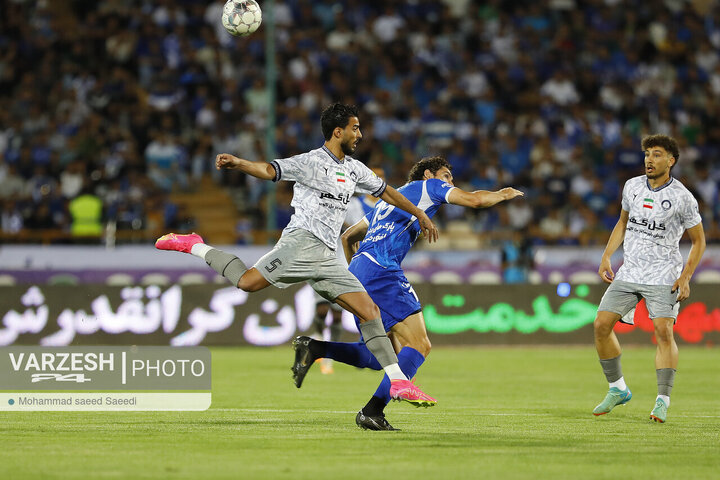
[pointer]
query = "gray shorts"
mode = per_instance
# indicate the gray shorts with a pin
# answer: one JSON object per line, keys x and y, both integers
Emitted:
{"x": 320, "y": 300}
{"x": 621, "y": 297}
{"x": 300, "y": 256}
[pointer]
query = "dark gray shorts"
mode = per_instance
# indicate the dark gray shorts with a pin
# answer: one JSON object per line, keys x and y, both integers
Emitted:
{"x": 621, "y": 297}
{"x": 300, "y": 256}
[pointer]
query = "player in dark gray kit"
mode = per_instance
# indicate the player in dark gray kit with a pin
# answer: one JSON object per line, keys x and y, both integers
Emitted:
{"x": 325, "y": 180}
{"x": 656, "y": 210}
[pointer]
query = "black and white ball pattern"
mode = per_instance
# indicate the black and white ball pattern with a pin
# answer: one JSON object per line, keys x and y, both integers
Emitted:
{"x": 241, "y": 17}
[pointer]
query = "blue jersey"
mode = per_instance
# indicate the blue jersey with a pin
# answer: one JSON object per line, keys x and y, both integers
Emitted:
{"x": 367, "y": 206}
{"x": 392, "y": 231}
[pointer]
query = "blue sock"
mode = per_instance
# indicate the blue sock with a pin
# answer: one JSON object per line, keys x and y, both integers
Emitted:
{"x": 355, "y": 354}
{"x": 409, "y": 360}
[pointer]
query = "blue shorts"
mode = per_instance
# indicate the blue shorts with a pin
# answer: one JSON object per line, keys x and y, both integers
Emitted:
{"x": 389, "y": 289}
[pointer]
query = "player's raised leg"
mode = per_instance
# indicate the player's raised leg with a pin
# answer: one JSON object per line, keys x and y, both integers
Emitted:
{"x": 666, "y": 362}
{"x": 226, "y": 264}
{"x": 608, "y": 349}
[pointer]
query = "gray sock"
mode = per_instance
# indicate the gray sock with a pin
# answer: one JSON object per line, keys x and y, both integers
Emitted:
{"x": 335, "y": 331}
{"x": 319, "y": 325}
{"x": 226, "y": 264}
{"x": 612, "y": 369}
{"x": 665, "y": 380}
{"x": 377, "y": 341}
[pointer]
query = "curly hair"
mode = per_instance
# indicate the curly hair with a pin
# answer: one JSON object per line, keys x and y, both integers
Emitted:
{"x": 428, "y": 163}
{"x": 663, "y": 141}
{"x": 336, "y": 115}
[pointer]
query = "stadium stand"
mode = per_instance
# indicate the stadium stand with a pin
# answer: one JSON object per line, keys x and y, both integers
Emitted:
{"x": 131, "y": 100}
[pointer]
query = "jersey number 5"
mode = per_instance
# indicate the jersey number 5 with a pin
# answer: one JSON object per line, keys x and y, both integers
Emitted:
{"x": 273, "y": 265}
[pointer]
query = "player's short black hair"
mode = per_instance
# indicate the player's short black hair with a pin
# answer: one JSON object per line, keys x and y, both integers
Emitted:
{"x": 336, "y": 115}
{"x": 428, "y": 163}
{"x": 664, "y": 141}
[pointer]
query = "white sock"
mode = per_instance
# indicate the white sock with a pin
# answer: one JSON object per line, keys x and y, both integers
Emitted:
{"x": 619, "y": 383}
{"x": 394, "y": 373}
{"x": 200, "y": 250}
{"x": 665, "y": 399}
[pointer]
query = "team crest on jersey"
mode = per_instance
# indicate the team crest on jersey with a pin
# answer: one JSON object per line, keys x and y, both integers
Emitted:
{"x": 666, "y": 205}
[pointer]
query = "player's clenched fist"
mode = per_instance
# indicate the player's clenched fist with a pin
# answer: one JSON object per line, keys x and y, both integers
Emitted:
{"x": 225, "y": 160}
{"x": 605, "y": 271}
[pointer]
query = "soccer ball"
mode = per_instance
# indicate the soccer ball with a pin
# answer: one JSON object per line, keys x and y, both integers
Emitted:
{"x": 241, "y": 17}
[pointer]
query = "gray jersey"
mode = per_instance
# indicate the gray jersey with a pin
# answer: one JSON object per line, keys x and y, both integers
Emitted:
{"x": 657, "y": 219}
{"x": 323, "y": 188}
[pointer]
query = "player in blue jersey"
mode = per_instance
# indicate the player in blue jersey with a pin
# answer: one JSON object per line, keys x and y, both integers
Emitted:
{"x": 389, "y": 234}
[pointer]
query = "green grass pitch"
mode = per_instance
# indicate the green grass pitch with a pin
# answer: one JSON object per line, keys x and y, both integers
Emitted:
{"x": 505, "y": 413}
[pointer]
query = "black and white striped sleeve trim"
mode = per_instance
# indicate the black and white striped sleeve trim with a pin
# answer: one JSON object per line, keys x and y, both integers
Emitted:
{"x": 278, "y": 171}
{"x": 378, "y": 193}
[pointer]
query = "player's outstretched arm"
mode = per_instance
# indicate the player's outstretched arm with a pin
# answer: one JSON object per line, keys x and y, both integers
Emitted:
{"x": 393, "y": 197}
{"x": 352, "y": 236}
{"x": 261, "y": 170}
{"x": 482, "y": 198}
{"x": 616, "y": 238}
{"x": 682, "y": 284}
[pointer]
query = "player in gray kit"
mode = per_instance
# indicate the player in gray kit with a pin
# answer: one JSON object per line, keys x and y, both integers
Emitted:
{"x": 656, "y": 210}
{"x": 325, "y": 180}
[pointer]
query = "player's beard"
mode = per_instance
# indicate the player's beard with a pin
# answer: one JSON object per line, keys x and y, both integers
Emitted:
{"x": 347, "y": 147}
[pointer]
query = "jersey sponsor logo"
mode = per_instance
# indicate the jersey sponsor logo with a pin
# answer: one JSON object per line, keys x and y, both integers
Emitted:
{"x": 344, "y": 198}
{"x": 644, "y": 222}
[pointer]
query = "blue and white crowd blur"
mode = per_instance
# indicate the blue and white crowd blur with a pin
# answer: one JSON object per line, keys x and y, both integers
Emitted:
{"x": 131, "y": 100}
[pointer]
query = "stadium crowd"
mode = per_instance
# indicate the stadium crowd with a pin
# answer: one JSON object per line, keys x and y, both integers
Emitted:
{"x": 121, "y": 103}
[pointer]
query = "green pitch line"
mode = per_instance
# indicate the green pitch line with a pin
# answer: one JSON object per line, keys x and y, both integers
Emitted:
{"x": 505, "y": 413}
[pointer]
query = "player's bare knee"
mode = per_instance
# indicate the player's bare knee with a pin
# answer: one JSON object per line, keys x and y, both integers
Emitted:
{"x": 248, "y": 285}
{"x": 602, "y": 328}
{"x": 664, "y": 335}
{"x": 373, "y": 311}
{"x": 425, "y": 347}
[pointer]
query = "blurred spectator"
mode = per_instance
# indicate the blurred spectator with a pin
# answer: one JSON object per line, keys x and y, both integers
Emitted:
{"x": 72, "y": 180}
{"x": 86, "y": 214}
{"x": 517, "y": 257}
{"x": 12, "y": 184}
{"x": 166, "y": 162}
{"x": 11, "y": 218}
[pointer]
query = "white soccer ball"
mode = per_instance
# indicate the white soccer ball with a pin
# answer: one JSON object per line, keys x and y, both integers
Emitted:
{"x": 241, "y": 17}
